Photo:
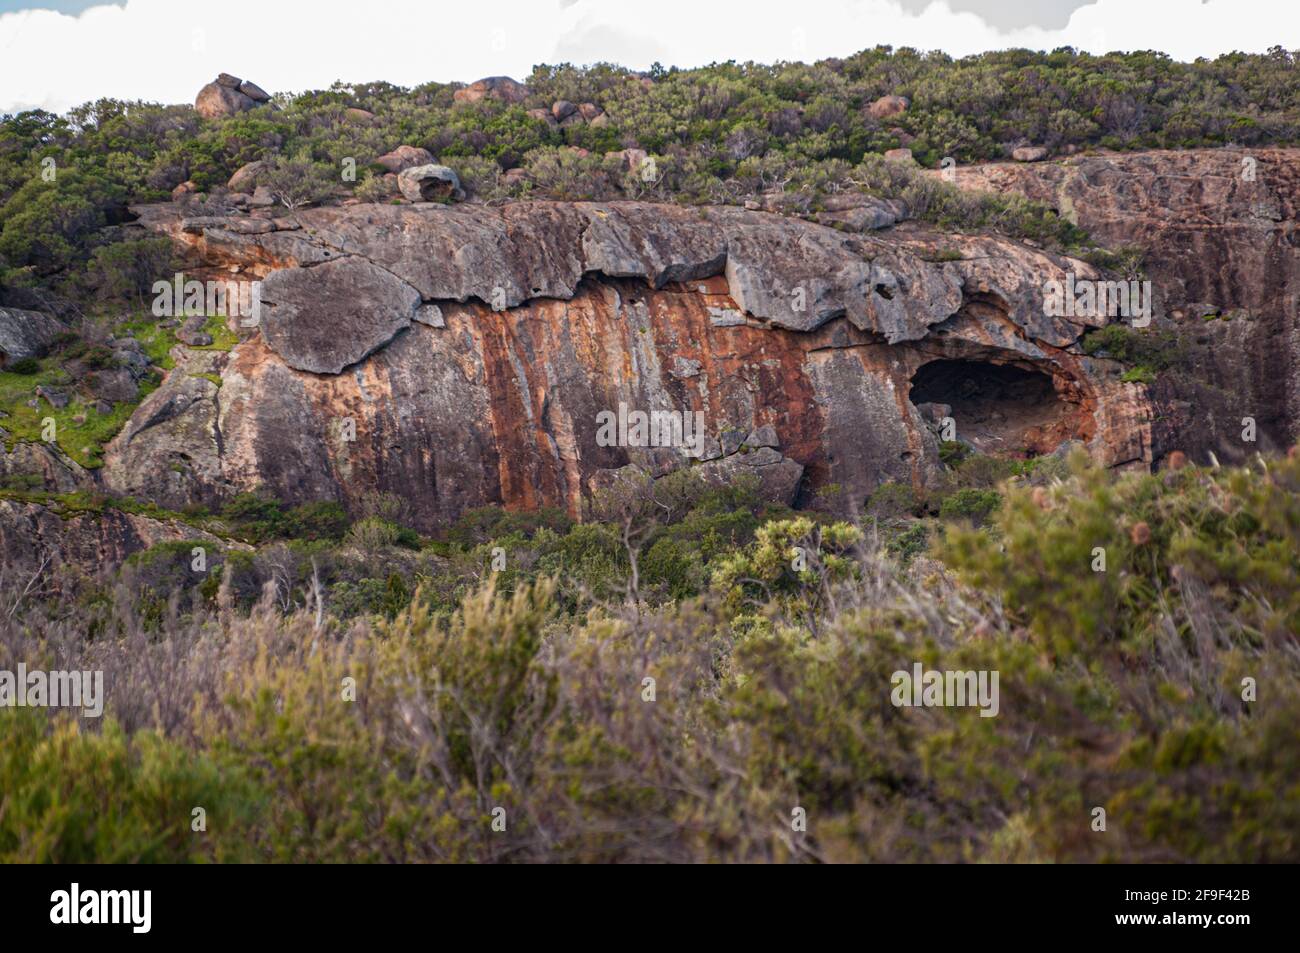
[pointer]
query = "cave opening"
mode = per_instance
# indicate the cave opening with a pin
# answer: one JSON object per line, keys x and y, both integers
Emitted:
{"x": 998, "y": 409}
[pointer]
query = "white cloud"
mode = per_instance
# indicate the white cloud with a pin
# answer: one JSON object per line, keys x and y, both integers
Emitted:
{"x": 164, "y": 50}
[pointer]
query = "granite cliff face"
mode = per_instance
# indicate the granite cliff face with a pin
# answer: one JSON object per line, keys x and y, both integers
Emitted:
{"x": 462, "y": 355}
{"x": 1222, "y": 240}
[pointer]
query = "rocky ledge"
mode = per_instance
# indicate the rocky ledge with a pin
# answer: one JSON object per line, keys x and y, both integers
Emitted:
{"x": 463, "y": 355}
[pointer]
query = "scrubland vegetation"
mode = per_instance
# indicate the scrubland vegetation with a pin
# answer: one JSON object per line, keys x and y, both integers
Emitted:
{"x": 718, "y": 133}
{"x": 395, "y": 730}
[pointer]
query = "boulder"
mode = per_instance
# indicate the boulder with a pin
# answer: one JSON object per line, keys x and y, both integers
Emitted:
{"x": 501, "y": 88}
{"x": 590, "y": 111}
{"x": 429, "y": 183}
{"x": 867, "y": 216}
{"x": 325, "y": 318}
{"x": 254, "y": 92}
{"x": 764, "y": 436}
{"x": 778, "y": 476}
{"x": 192, "y": 334}
{"x": 601, "y": 121}
{"x": 359, "y": 115}
{"x": 25, "y": 334}
{"x": 887, "y": 106}
{"x": 562, "y": 109}
{"x": 245, "y": 177}
{"x": 113, "y": 384}
{"x": 543, "y": 115}
{"x": 228, "y": 95}
{"x": 629, "y": 160}
{"x": 188, "y": 187}
{"x": 262, "y": 197}
{"x": 1029, "y": 153}
{"x": 404, "y": 157}
{"x": 55, "y": 397}
{"x": 899, "y": 155}
{"x": 216, "y": 101}
{"x": 128, "y": 353}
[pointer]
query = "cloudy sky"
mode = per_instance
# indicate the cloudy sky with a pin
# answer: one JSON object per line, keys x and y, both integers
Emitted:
{"x": 60, "y": 53}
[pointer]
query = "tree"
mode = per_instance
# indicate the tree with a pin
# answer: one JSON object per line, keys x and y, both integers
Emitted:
{"x": 130, "y": 268}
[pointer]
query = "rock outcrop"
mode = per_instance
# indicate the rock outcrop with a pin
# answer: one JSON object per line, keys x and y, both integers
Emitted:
{"x": 245, "y": 177}
{"x": 404, "y": 157}
{"x": 25, "y": 334}
{"x": 501, "y": 88}
{"x": 887, "y": 106}
{"x": 1221, "y": 238}
{"x": 228, "y": 95}
{"x": 463, "y": 355}
{"x": 35, "y": 537}
{"x": 429, "y": 183}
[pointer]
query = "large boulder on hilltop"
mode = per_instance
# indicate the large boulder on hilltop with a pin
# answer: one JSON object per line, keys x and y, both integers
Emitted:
{"x": 227, "y": 96}
{"x": 404, "y": 157}
{"x": 501, "y": 88}
{"x": 429, "y": 183}
{"x": 216, "y": 102}
{"x": 25, "y": 334}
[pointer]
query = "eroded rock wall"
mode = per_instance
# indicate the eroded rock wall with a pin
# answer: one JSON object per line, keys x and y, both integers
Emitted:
{"x": 461, "y": 356}
{"x": 1220, "y": 232}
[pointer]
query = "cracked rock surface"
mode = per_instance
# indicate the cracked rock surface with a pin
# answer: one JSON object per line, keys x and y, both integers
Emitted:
{"x": 470, "y": 350}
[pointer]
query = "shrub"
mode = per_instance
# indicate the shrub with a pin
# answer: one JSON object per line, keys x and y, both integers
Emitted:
{"x": 76, "y": 797}
{"x": 300, "y": 180}
{"x": 893, "y": 499}
{"x": 373, "y": 534}
{"x": 970, "y": 504}
{"x": 1148, "y": 348}
{"x": 953, "y": 452}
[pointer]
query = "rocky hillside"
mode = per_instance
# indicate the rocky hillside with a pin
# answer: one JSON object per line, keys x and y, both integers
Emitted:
{"x": 816, "y": 356}
{"x": 1221, "y": 245}
{"x": 460, "y": 355}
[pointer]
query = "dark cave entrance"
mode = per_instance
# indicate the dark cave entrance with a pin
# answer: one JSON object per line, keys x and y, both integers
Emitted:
{"x": 998, "y": 408}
